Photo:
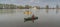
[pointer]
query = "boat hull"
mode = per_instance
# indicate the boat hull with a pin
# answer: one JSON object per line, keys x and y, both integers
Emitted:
{"x": 29, "y": 19}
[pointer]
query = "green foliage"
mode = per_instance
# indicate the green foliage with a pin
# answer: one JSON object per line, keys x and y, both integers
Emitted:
{"x": 57, "y": 6}
{"x": 38, "y": 7}
{"x": 21, "y": 7}
{"x": 47, "y": 6}
{"x": 27, "y": 6}
{"x": 7, "y": 6}
{"x": 12, "y": 6}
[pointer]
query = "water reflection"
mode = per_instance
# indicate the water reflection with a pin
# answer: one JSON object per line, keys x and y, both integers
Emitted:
{"x": 17, "y": 18}
{"x": 47, "y": 10}
{"x": 3, "y": 11}
{"x": 57, "y": 10}
{"x": 22, "y": 10}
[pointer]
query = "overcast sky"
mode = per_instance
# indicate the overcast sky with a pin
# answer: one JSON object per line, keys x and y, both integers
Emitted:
{"x": 51, "y": 3}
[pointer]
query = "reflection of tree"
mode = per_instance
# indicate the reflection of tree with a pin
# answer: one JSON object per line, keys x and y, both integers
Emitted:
{"x": 57, "y": 8}
{"x": 46, "y": 10}
{"x": 56, "y": 11}
{"x": 47, "y": 7}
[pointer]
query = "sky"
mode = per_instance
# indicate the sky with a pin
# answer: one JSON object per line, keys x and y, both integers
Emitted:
{"x": 42, "y": 3}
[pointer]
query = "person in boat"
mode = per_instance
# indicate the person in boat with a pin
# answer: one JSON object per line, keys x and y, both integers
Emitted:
{"x": 33, "y": 17}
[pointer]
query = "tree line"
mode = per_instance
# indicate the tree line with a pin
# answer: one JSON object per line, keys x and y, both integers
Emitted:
{"x": 12, "y": 6}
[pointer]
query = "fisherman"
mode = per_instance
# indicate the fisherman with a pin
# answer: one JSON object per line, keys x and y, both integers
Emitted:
{"x": 33, "y": 17}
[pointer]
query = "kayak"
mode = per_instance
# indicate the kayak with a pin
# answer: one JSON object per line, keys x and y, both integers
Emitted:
{"x": 29, "y": 19}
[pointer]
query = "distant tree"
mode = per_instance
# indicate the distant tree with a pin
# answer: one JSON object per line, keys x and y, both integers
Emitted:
{"x": 1, "y": 6}
{"x": 38, "y": 7}
{"x": 47, "y": 7}
{"x": 30, "y": 6}
{"x": 20, "y": 7}
{"x": 27, "y": 6}
{"x": 6, "y": 6}
{"x": 12, "y": 6}
{"x": 57, "y": 6}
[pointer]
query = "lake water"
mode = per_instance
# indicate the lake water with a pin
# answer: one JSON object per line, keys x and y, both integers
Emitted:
{"x": 46, "y": 18}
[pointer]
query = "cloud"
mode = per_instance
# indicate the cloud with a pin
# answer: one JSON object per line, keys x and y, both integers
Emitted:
{"x": 31, "y": 1}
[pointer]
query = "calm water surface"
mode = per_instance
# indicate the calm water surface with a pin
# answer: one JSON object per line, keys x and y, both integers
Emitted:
{"x": 46, "y": 18}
